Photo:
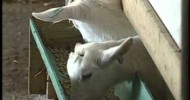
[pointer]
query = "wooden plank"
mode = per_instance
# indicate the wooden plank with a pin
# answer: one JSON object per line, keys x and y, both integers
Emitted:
{"x": 37, "y": 81}
{"x": 157, "y": 41}
{"x": 50, "y": 91}
{"x": 49, "y": 63}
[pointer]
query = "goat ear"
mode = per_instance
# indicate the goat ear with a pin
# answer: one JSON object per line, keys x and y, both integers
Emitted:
{"x": 54, "y": 14}
{"x": 116, "y": 52}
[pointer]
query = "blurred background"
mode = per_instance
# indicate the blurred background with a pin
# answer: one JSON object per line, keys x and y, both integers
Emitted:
{"x": 16, "y": 14}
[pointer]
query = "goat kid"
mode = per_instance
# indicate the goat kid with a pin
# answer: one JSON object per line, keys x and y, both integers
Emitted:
{"x": 95, "y": 67}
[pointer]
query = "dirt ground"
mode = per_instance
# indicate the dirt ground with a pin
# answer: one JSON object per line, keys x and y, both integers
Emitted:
{"x": 15, "y": 49}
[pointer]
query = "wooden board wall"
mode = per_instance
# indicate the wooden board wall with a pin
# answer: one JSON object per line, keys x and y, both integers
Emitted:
{"x": 158, "y": 42}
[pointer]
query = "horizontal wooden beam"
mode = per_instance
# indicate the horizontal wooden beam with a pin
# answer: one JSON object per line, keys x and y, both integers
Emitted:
{"x": 158, "y": 42}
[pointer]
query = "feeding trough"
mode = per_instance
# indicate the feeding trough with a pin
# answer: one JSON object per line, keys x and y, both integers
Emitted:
{"x": 51, "y": 41}
{"x": 44, "y": 38}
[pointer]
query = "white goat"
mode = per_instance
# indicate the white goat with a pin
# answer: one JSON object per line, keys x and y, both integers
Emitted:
{"x": 97, "y": 20}
{"x": 95, "y": 67}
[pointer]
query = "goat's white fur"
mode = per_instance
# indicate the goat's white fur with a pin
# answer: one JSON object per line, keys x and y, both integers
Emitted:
{"x": 104, "y": 61}
{"x": 97, "y": 20}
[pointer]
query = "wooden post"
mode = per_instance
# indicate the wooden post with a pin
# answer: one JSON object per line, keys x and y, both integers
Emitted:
{"x": 158, "y": 42}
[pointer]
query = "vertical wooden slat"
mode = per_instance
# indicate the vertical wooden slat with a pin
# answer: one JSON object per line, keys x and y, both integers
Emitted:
{"x": 50, "y": 91}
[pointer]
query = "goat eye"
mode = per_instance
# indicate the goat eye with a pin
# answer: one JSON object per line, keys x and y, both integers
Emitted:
{"x": 81, "y": 55}
{"x": 86, "y": 76}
